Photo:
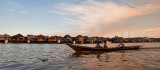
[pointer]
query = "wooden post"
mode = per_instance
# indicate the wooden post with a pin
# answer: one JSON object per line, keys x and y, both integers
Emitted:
{"x": 91, "y": 41}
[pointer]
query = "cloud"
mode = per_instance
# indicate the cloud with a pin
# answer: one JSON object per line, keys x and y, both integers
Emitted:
{"x": 93, "y": 13}
{"x": 95, "y": 16}
{"x": 17, "y": 11}
{"x": 143, "y": 10}
{"x": 14, "y": 7}
{"x": 13, "y": 4}
{"x": 11, "y": 10}
{"x": 23, "y": 12}
{"x": 152, "y": 32}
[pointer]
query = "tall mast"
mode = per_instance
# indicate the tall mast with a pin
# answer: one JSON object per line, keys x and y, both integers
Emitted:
{"x": 129, "y": 35}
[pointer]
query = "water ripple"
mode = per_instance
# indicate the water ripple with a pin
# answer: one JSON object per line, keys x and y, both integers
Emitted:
{"x": 62, "y": 57}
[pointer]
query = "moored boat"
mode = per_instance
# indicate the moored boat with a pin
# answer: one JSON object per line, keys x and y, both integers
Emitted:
{"x": 85, "y": 48}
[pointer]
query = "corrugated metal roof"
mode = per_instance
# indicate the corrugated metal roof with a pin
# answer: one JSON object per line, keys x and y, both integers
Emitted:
{"x": 5, "y": 35}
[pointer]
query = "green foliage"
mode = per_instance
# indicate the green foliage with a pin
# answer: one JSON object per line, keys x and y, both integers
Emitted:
{"x": 15, "y": 37}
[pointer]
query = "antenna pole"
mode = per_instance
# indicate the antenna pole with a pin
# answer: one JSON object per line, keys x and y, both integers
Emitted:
{"x": 129, "y": 35}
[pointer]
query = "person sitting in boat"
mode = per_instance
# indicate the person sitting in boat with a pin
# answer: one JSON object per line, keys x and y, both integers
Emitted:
{"x": 105, "y": 45}
{"x": 121, "y": 44}
{"x": 98, "y": 45}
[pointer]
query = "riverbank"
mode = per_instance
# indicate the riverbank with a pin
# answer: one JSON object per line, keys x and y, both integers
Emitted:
{"x": 70, "y": 43}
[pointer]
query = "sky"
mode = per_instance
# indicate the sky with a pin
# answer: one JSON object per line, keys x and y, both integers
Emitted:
{"x": 106, "y": 18}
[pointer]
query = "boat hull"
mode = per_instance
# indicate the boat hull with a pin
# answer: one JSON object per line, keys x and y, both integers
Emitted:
{"x": 84, "y": 48}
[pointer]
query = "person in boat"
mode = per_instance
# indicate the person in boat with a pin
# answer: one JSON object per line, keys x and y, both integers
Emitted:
{"x": 98, "y": 45}
{"x": 121, "y": 44}
{"x": 105, "y": 45}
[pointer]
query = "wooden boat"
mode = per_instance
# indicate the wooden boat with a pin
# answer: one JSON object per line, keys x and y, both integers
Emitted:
{"x": 85, "y": 48}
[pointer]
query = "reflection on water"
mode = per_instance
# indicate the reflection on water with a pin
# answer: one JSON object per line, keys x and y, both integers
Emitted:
{"x": 121, "y": 60}
{"x": 62, "y": 57}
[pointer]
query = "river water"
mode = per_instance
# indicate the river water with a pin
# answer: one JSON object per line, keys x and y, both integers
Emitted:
{"x": 62, "y": 57}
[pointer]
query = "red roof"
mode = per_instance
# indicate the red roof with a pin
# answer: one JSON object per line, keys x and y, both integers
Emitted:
{"x": 40, "y": 35}
{"x": 52, "y": 37}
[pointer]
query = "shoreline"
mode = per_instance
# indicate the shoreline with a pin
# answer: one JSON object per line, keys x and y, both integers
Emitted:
{"x": 76, "y": 43}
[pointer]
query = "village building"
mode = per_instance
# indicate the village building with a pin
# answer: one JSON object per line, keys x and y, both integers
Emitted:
{"x": 19, "y": 38}
{"x": 100, "y": 39}
{"x": 146, "y": 39}
{"x": 93, "y": 39}
{"x": 52, "y": 39}
{"x": 59, "y": 39}
{"x": 67, "y": 39}
{"x": 74, "y": 40}
{"x": 86, "y": 39}
{"x": 31, "y": 38}
{"x": 130, "y": 40}
{"x": 5, "y": 38}
{"x": 46, "y": 39}
{"x": 41, "y": 38}
{"x": 117, "y": 39}
{"x": 157, "y": 39}
{"x": 79, "y": 39}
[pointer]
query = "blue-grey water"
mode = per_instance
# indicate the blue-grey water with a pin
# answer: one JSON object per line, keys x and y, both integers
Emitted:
{"x": 62, "y": 57}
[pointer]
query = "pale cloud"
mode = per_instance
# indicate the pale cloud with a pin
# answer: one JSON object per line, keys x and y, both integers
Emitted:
{"x": 23, "y": 12}
{"x": 14, "y": 7}
{"x": 12, "y": 4}
{"x": 11, "y": 10}
{"x": 17, "y": 11}
{"x": 102, "y": 18}
{"x": 143, "y": 10}
{"x": 152, "y": 32}
{"x": 92, "y": 13}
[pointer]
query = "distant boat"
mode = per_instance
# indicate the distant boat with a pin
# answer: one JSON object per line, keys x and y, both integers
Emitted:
{"x": 85, "y": 48}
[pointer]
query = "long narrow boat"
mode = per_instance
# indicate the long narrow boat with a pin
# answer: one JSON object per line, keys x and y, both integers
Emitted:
{"x": 85, "y": 48}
